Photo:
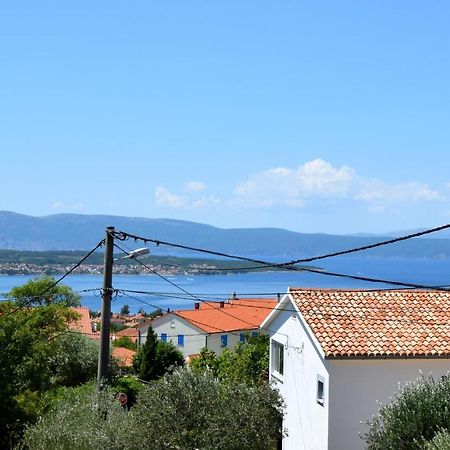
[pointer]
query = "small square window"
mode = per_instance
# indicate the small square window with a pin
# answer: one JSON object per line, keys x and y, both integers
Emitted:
{"x": 164, "y": 337}
{"x": 277, "y": 357}
{"x": 224, "y": 340}
{"x": 320, "y": 390}
{"x": 181, "y": 340}
{"x": 242, "y": 337}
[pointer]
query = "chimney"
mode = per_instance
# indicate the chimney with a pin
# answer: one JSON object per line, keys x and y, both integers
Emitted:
{"x": 196, "y": 305}
{"x": 222, "y": 304}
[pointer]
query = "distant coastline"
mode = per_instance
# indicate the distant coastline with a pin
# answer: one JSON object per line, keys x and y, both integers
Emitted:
{"x": 55, "y": 263}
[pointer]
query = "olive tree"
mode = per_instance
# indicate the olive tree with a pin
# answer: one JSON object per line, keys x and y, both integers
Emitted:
{"x": 419, "y": 411}
{"x": 181, "y": 410}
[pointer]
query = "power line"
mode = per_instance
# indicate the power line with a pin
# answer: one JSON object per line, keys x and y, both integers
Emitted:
{"x": 289, "y": 266}
{"x": 121, "y": 235}
{"x": 349, "y": 317}
{"x": 49, "y": 288}
{"x": 182, "y": 289}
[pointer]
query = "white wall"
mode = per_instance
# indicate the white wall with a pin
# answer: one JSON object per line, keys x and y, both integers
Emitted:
{"x": 355, "y": 387}
{"x": 173, "y": 325}
{"x": 306, "y": 420}
{"x": 215, "y": 342}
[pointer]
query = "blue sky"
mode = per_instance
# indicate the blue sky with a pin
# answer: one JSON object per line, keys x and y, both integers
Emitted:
{"x": 312, "y": 116}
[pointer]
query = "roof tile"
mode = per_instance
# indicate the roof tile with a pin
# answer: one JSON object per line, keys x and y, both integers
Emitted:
{"x": 377, "y": 323}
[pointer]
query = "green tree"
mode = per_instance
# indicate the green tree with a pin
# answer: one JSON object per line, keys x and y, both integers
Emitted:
{"x": 206, "y": 361}
{"x": 126, "y": 342}
{"x": 416, "y": 415}
{"x": 441, "y": 441}
{"x": 25, "y": 336}
{"x": 40, "y": 291}
{"x": 248, "y": 362}
{"x": 182, "y": 410}
{"x": 125, "y": 310}
{"x": 81, "y": 418}
{"x": 155, "y": 357}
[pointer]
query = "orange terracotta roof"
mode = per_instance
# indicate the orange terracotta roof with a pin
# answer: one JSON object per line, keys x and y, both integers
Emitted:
{"x": 128, "y": 332}
{"x": 352, "y": 323}
{"x": 241, "y": 314}
{"x": 83, "y": 324}
{"x": 124, "y": 355}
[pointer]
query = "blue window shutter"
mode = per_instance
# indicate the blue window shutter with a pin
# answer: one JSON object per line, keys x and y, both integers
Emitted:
{"x": 181, "y": 340}
{"x": 224, "y": 340}
{"x": 164, "y": 337}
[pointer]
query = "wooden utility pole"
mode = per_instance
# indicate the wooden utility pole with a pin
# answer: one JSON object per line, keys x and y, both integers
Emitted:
{"x": 103, "y": 359}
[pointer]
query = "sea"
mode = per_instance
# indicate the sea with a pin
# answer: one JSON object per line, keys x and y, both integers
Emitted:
{"x": 149, "y": 292}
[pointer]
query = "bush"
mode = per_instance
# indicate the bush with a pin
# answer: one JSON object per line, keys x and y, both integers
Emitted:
{"x": 155, "y": 358}
{"x": 125, "y": 342}
{"x": 248, "y": 363}
{"x": 416, "y": 415}
{"x": 82, "y": 419}
{"x": 441, "y": 441}
{"x": 182, "y": 410}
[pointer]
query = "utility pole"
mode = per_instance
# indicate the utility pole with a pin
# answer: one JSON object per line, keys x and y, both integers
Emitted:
{"x": 103, "y": 359}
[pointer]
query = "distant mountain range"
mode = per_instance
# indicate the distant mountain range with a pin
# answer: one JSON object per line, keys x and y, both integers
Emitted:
{"x": 82, "y": 232}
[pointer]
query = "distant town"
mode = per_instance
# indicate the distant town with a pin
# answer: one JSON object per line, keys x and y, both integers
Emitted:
{"x": 97, "y": 269}
{"x": 14, "y": 262}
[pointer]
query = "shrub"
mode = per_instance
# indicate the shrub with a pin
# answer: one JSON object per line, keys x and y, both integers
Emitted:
{"x": 418, "y": 412}
{"x": 182, "y": 410}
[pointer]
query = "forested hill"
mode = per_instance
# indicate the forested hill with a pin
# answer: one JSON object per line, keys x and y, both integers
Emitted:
{"x": 82, "y": 232}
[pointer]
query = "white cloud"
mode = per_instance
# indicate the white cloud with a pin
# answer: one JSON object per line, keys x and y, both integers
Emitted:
{"x": 165, "y": 198}
{"x": 291, "y": 187}
{"x": 205, "y": 202}
{"x": 195, "y": 186}
{"x": 68, "y": 207}
{"x": 318, "y": 179}
{"x": 376, "y": 191}
{"x": 189, "y": 199}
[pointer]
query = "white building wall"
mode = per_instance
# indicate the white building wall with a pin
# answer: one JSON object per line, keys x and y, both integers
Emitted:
{"x": 172, "y": 326}
{"x": 306, "y": 420}
{"x": 215, "y": 341}
{"x": 357, "y": 385}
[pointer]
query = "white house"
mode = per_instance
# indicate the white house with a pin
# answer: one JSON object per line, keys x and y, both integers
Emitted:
{"x": 215, "y": 325}
{"x": 336, "y": 353}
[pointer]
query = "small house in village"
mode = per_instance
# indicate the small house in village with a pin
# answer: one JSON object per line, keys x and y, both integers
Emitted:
{"x": 336, "y": 353}
{"x": 84, "y": 326}
{"x": 215, "y": 325}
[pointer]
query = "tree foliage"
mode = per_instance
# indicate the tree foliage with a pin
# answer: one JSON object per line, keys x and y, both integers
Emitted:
{"x": 155, "y": 357}
{"x": 39, "y": 353}
{"x": 25, "y": 336}
{"x": 182, "y": 410}
{"x": 40, "y": 291}
{"x": 418, "y": 412}
{"x": 125, "y": 310}
{"x": 248, "y": 362}
{"x": 126, "y": 342}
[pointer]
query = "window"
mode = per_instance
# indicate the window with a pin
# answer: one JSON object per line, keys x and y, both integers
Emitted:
{"x": 224, "y": 340}
{"x": 181, "y": 340}
{"x": 164, "y": 337}
{"x": 255, "y": 333}
{"x": 277, "y": 357}
{"x": 242, "y": 337}
{"x": 320, "y": 390}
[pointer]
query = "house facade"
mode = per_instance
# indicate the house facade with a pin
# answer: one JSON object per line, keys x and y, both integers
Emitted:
{"x": 336, "y": 353}
{"x": 214, "y": 325}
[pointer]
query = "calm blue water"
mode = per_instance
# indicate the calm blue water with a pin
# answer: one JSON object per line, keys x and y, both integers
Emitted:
{"x": 217, "y": 287}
